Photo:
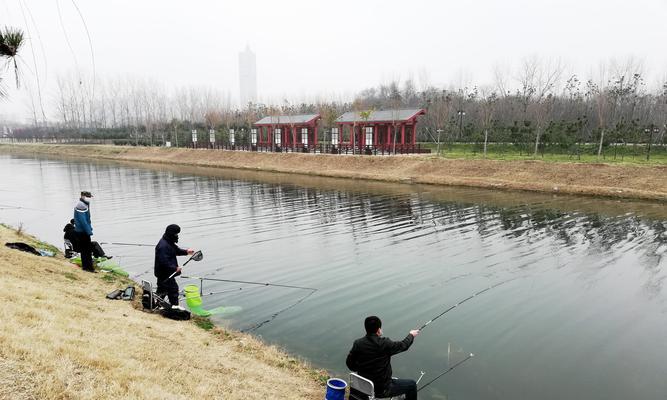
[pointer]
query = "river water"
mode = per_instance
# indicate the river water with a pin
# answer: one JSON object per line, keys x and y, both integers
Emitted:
{"x": 583, "y": 315}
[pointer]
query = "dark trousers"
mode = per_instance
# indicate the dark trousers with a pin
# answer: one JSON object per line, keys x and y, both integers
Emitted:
{"x": 169, "y": 288}
{"x": 408, "y": 387}
{"x": 97, "y": 250}
{"x": 86, "y": 250}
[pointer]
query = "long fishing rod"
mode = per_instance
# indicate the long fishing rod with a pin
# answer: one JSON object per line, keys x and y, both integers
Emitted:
{"x": 182, "y": 292}
{"x": 463, "y": 301}
{"x": 250, "y": 283}
{"x": 12, "y": 207}
{"x": 128, "y": 244}
{"x": 446, "y": 372}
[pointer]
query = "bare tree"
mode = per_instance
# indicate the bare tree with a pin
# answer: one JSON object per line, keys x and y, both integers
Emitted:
{"x": 538, "y": 81}
{"x": 488, "y": 103}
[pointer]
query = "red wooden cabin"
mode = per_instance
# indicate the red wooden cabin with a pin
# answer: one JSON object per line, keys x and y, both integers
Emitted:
{"x": 288, "y": 130}
{"x": 380, "y": 130}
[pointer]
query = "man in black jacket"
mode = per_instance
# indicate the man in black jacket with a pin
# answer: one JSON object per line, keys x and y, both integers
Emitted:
{"x": 370, "y": 357}
{"x": 70, "y": 234}
{"x": 166, "y": 264}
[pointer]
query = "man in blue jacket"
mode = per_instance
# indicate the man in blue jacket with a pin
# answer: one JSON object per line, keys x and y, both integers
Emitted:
{"x": 84, "y": 230}
{"x": 370, "y": 357}
{"x": 166, "y": 264}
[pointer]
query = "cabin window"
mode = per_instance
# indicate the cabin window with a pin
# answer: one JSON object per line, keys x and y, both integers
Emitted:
{"x": 277, "y": 134}
{"x": 334, "y": 135}
{"x": 304, "y": 136}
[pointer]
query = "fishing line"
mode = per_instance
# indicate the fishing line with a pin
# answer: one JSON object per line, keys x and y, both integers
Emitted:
{"x": 90, "y": 44}
{"x": 41, "y": 43}
{"x": 34, "y": 61}
{"x": 447, "y": 371}
{"x": 275, "y": 315}
{"x": 265, "y": 284}
{"x": 250, "y": 283}
{"x": 463, "y": 301}
{"x": 69, "y": 44}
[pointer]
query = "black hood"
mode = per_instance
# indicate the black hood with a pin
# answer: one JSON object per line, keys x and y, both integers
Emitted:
{"x": 171, "y": 233}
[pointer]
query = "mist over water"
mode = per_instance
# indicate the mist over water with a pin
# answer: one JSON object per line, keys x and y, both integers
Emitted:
{"x": 582, "y": 317}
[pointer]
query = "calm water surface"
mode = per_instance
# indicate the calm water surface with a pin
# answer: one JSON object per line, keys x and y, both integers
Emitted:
{"x": 585, "y": 316}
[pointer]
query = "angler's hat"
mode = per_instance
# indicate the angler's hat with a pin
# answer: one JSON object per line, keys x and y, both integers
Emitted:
{"x": 86, "y": 194}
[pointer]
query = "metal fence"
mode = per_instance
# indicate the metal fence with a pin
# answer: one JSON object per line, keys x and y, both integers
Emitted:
{"x": 318, "y": 149}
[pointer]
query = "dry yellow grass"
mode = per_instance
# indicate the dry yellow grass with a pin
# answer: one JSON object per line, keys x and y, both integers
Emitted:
{"x": 611, "y": 180}
{"x": 61, "y": 339}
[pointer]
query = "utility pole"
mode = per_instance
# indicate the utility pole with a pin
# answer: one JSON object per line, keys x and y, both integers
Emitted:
{"x": 461, "y": 114}
{"x": 439, "y": 132}
{"x": 650, "y": 130}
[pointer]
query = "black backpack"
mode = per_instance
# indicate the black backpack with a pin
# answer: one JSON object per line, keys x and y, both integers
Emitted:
{"x": 176, "y": 313}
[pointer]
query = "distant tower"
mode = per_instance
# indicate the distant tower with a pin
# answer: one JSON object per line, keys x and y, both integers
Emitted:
{"x": 247, "y": 77}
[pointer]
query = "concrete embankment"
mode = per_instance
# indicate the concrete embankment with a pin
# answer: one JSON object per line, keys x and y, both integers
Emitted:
{"x": 647, "y": 182}
{"x": 60, "y": 338}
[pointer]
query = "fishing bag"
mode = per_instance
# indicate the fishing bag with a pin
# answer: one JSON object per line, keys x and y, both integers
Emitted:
{"x": 176, "y": 313}
{"x": 115, "y": 295}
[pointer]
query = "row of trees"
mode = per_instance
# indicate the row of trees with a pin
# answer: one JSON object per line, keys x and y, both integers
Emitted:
{"x": 534, "y": 107}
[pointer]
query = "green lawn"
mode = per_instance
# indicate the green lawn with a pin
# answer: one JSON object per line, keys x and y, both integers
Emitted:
{"x": 629, "y": 154}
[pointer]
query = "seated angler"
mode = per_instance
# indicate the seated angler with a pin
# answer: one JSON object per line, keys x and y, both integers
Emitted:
{"x": 70, "y": 235}
{"x": 370, "y": 357}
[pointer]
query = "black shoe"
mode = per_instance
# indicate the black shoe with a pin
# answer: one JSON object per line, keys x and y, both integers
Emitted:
{"x": 91, "y": 271}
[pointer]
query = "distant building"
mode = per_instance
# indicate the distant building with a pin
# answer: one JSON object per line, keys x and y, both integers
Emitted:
{"x": 247, "y": 77}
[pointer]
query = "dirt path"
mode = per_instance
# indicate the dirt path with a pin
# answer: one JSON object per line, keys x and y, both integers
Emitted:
{"x": 617, "y": 180}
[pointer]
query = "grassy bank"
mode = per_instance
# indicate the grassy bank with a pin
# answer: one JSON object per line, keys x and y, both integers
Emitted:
{"x": 616, "y": 154}
{"x": 61, "y": 339}
{"x": 597, "y": 179}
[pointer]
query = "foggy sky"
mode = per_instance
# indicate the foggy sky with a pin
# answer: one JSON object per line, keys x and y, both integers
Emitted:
{"x": 327, "y": 49}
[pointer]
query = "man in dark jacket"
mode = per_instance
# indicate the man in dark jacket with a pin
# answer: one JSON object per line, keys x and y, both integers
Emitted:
{"x": 84, "y": 230}
{"x": 166, "y": 264}
{"x": 370, "y": 357}
{"x": 71, "y": 236}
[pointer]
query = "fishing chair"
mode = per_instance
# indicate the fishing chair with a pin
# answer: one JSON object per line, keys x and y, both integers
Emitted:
{"x": 150, "y": 300}
{"x": 363, "y": 389}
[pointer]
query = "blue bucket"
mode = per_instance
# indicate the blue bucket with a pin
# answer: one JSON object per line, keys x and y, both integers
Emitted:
{"x": 335, "y": 389}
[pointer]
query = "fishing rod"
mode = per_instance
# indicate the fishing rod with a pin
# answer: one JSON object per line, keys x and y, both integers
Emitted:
{"x": 12, "y": 207}
{"x": 250, "y": 283}
{"x": 446, "y": 372}
{"x": 202, "y": 294}
{"x": 463, "y": 301}
{"x": 128, "y": 244}
{"x": 264, "y": 284}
